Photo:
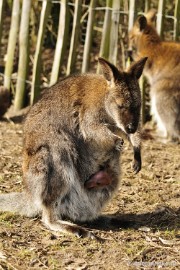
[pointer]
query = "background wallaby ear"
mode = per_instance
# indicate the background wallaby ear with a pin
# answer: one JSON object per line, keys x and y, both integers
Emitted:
{"x": 142, "y": 22}
{"x": 151, "y": 15}
{"x": 110, "y": 72}
{"x": 136, "y": 68}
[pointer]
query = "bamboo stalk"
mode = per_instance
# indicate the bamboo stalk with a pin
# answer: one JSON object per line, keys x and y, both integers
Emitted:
{"x": 2, "y": 4}
{"x": 123, "y": 45}
{"x": 176, "y": 20}
{"x": 61, "y": 41}
{"x": 113, "y": 50}
{"x": 88, "y": 40}
{"x": 147, "y": 5}
{"x": 160, "y": 17}
{"x": 104, "y": 48}
{"x": 132, "y": 16}
{"x": 12, "y": 43}
{"x": 74, "y": 37}
{"x": 36, "y": 77}
{"x": 132, "y": 13}
{"x": 23, "y": 55}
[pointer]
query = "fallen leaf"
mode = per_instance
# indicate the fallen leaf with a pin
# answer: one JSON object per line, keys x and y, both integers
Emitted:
{"x": 166, "y": 242}
{"x": 144, "y": 229}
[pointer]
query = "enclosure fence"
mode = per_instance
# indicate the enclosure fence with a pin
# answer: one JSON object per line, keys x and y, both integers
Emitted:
{"x": 84, "y": 31}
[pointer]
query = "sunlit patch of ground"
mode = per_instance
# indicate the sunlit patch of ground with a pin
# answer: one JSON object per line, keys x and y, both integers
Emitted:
{"x": 150, "y": 200}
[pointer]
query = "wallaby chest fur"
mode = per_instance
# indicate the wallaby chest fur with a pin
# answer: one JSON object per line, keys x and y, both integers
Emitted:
{"x": 162, "y": 70}
{"x": 68, "y": 138}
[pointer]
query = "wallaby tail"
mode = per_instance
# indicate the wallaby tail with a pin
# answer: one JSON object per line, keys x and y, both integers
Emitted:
{"x": 19, "y": 203}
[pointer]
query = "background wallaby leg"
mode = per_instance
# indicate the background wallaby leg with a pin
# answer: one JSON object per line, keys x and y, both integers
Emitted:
{"x": 136, "y": 143}
{"x": 52, "y": 222}
{"x": 168, "y": 118}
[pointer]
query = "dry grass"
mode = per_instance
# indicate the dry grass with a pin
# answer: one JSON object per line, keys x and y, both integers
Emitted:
{"x": 151, "y": 200}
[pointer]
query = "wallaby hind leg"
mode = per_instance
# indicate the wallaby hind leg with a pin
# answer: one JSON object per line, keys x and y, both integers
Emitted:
{"x": 49, "y": 178}
{"x": 169, "y": 115}
{"x": 51, "y": 221}
{"x": 135, "y": 140}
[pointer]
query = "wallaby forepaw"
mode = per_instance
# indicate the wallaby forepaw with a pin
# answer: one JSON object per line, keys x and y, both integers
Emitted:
{"x": 136, "y": 166}
{"x": 119, "y": 144}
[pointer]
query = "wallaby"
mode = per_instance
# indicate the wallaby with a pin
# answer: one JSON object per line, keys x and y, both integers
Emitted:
{"x": 71, "y": 157}
{"x": 162, "y": 71}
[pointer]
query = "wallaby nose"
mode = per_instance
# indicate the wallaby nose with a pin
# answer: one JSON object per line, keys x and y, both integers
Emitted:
{"x": 130, "y": 128}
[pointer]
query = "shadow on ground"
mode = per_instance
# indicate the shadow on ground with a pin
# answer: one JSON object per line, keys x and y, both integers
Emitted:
{"x": 161, "y": 219}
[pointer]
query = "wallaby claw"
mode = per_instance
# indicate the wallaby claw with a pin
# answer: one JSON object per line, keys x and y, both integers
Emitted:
{"x": 83, "y": 233}
{"x": 95, "y": 237}
{"x": 136, "y": 166}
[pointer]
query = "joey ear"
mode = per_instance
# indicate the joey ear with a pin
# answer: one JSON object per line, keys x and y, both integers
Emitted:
{"x": 110, "y": 72}
{"x": 136, "y": 68}
{"x": 142, "y": 22}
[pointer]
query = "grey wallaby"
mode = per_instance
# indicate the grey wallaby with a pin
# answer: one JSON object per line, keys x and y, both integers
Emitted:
{"x": 71, "y": 155}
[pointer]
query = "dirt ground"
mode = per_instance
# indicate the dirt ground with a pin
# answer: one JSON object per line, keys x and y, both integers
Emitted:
{"x": 150, "y": 200}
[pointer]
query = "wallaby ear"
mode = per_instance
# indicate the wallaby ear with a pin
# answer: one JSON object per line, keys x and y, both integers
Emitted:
{"x": 110, "y": 72}
{"x": 151, "y": 15}
{"x": 142, "y": 22}
{"x": 136, "y": 68}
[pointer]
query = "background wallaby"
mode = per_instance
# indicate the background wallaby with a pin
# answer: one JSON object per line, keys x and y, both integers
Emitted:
{"x": 69, "y": 146}
{"x": 163, "y": 73}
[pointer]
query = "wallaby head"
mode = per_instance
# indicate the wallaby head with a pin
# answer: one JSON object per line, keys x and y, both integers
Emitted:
{"x": 123, "y": 99}
{"x": 143, "y": 33}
